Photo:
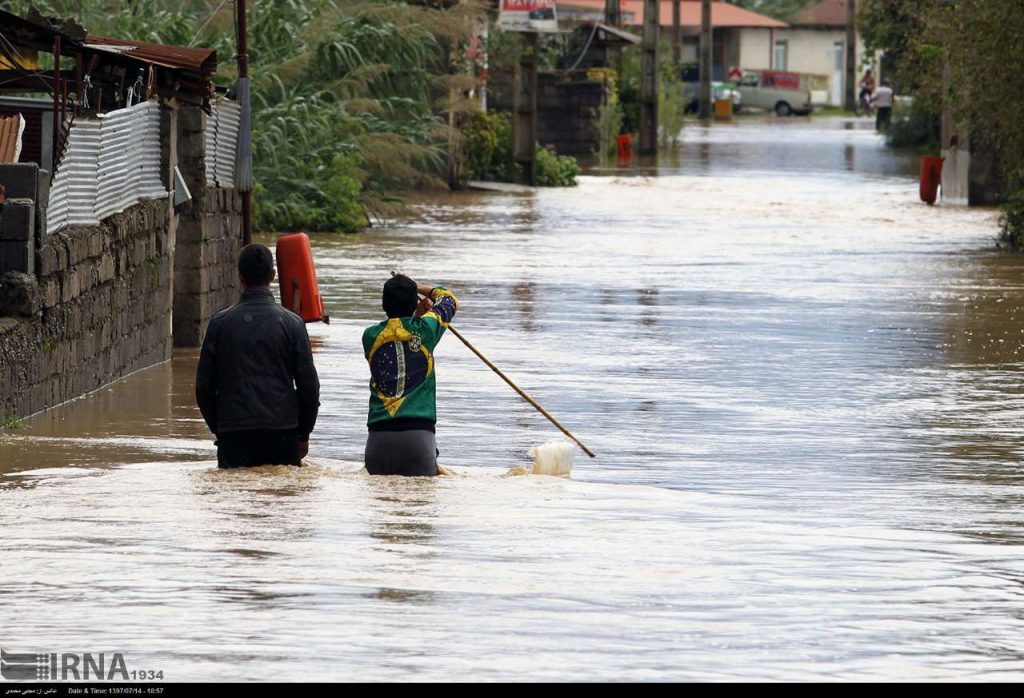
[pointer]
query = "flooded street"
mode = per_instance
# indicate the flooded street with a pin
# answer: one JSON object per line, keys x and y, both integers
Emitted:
{"x": 804, "y": 388}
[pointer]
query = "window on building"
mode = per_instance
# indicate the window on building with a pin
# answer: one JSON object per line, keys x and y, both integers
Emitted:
{"x": 781, "y": 58}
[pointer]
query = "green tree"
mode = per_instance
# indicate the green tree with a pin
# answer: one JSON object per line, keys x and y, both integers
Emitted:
{"x": 350, "y": 97}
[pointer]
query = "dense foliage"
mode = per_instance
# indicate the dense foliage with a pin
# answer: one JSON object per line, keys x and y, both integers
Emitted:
{"x": 488, "y": 143}
{"x": 351, "y": 99}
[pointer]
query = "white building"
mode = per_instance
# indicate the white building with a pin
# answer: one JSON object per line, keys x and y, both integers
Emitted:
{"x": 814, "y": 42}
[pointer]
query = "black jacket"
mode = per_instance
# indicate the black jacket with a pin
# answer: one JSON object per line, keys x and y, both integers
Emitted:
{"x": 256, "y": 369}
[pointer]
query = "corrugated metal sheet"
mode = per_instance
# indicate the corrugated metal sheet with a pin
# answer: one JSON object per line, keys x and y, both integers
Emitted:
{"x": 114, "y": 167}
{"x": 109, "y": 164}
{"x": 150, "y": 183}
{"x": 36, "y": 113}
{"x": 73, "y": 191}
{"x": 201, "y": 60}
{"x": 222, "y": 143}
{"x": 11, "y": 129}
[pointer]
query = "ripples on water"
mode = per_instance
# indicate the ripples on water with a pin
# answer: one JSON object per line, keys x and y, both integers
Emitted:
{"x": 802, "y": 385}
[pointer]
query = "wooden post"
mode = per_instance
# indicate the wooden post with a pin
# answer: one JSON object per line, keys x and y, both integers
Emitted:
{"x": 243, "y": 72}
{"x": 524, "y": 131}
{"x": 850, "y": 98}
{"x": 613, "y": 17}
{"x": 677, "y": 34}
{"x": 57, "y": 125}
{"x": 612, "y": 13}
{"x": 706, "y": 64}
{"x": 649, "y": 80}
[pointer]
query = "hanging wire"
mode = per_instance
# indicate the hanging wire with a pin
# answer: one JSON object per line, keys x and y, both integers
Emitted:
{"x": 585, "y": 49}
{"x": 208, "y": 20}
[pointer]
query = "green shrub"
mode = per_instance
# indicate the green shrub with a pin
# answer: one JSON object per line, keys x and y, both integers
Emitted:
{"x": 915, "y": 127}
{"x": 556, "y": 170}
{"x": 608, "y": 124}
{"x": 1012, "y": 222}
{"x": 489, "y": 154}
{"x": 671, "y": 107}
{"x": 328, "y": 201}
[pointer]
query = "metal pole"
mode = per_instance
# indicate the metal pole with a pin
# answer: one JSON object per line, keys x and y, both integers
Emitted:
{"x": 243, "y": 72}
{"x": 851, "y": 56}
{"x": 677, "y": 33}
{"x": 649, "y": 83}
{"x": 706, "y": 65}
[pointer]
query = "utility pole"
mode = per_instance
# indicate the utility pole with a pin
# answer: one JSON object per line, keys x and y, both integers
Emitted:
{"x": 706, "y": 65}
{"x": 613, "y": 18}
{"x": 677, "y": 35}
{"x": 243, "y": 74}
{"x": 524, "y": 131}
{"x": 649, "y": 82}
{"x": 851, "y": 56}
{"x": 612, "y": 13}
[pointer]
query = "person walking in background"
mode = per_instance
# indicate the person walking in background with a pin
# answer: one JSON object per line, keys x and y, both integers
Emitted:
{"x": 867, "y": 89}
{"x": 256, "y": 384}
{"x": 882, "y": 101}
{"x": 400, "y": 352}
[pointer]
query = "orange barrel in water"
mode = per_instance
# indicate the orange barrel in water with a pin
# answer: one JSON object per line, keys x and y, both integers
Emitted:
{"x": 931, "y": 176}
{"x": 297, "y": 277}
{"x": 625, "y": 145}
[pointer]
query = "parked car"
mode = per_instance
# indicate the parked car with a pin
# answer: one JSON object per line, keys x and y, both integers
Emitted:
{"x": 781, "y": 92}
{"x": 719, "y": 90}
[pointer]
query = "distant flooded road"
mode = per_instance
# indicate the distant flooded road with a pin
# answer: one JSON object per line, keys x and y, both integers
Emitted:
{"x": 804, "y": 388}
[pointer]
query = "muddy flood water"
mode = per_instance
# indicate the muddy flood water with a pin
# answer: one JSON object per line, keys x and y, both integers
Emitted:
{"x": 804, "y": 388}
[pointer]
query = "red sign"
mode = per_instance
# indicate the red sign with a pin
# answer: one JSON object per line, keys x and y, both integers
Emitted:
{"x": 784, "y": 81}
{"x": 528, "y": 16}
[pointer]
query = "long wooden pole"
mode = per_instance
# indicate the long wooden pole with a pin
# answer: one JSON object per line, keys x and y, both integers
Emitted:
{"x": 522, "y": 393}
{"x": 649, "y": 79}
{"x": 243, "y": 72}
{"x": 850, "y": 88}
{"x": 706, "y": 60}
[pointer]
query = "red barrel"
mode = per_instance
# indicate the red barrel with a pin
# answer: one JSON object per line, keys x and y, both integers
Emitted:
{"x": 931, "y": 176}
{"x": 625, "y": 145}
{"x": 297, "y": 277}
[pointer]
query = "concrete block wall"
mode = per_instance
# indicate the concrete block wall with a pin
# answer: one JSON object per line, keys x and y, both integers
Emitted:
{"x": 89, "y": 305}
{"x": 208, "y": 238}
{"x": 97, "y": 308}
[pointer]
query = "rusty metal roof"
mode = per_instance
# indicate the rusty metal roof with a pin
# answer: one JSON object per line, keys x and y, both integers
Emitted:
{"x": 830, "y": 13}
{"x": 10, "y": 138}
{"x": 200, "y": 60}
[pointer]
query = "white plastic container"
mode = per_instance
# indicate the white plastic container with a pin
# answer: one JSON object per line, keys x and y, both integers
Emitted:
{"x": 553, "y": 458}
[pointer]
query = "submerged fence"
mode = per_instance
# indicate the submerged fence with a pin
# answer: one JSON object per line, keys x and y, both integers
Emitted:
{"x": 109, "y": 164}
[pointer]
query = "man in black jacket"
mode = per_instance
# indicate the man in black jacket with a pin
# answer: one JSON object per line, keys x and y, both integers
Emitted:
{"x": 256, "y": 384}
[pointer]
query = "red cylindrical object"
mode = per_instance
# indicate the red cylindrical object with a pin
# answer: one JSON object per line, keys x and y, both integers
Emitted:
{"x": 625, "y": 145}
{"x": 297, "y": 278}
{"x": 931, "y": 177}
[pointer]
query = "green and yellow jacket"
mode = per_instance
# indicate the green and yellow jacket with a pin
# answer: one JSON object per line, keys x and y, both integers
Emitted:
{"x": 400, "y": 352}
